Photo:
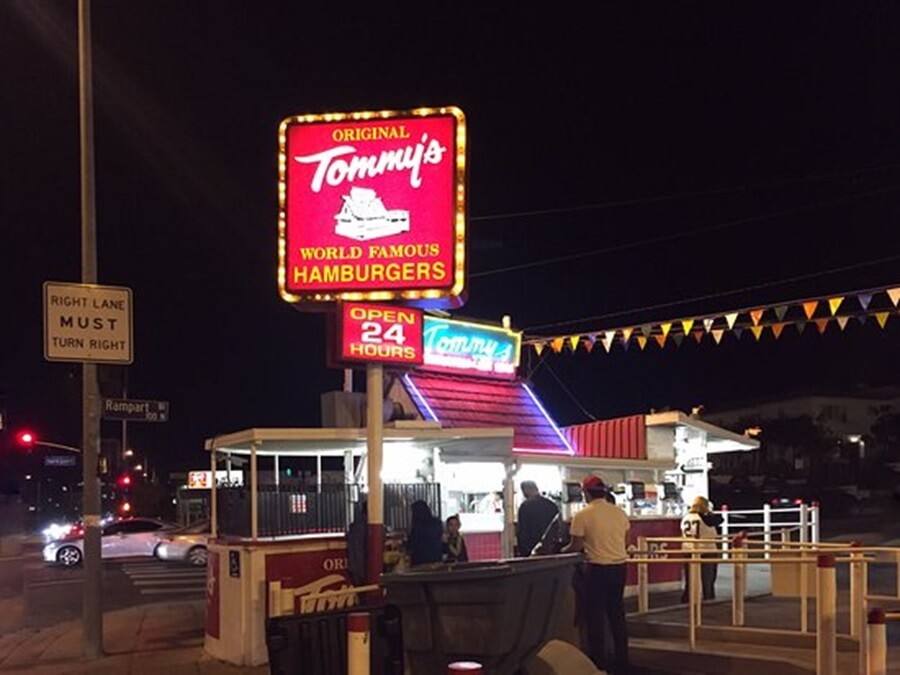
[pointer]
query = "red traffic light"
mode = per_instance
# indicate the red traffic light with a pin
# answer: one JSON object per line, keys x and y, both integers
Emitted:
{"x": 26, "y": 439}
{"x": 125, "y": 480}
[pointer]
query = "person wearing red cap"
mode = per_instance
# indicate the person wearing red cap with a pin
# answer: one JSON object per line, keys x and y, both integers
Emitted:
{"x": 600, "y": 530}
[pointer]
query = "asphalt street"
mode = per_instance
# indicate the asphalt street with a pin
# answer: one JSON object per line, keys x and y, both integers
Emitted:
{"x": 53, "y": 593}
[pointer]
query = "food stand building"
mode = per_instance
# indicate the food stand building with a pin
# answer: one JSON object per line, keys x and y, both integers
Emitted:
{"x": 466, "y": 431}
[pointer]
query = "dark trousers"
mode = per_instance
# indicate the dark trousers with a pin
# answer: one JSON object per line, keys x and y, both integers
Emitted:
{"x": 604, "y": 605}
{"x": 708, "y": 573}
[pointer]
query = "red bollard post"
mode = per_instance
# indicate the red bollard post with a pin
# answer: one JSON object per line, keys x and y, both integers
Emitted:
{"x": 358, "y": 643}
{"x": 876, "y": 662}
{"x": 464, "y": 668}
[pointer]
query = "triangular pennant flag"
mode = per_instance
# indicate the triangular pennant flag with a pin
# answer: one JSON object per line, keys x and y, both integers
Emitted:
{"x": 731, "y": 318}
{"x": 646, "y": 329}
{"x": 698, "y": 336}
{"x": 539, "y": 347}
{"x": 864, "y": 300}
{"x": 882, "y": 318}
{"x": 862, "y": 318}
{"x": 738, "y": 332}
{"x": 607, "y": 340}
{"x": 757, "y": 331}
{"x": 660, "y": 339}
{"x": 780, "y": 311}
{"x": 776, "y": 329}
{"x": 835, "y": 303}
{"x": 755, "y": 316}
{"x": 589, "y": 343}
{"x": 801, "y": 326}
{"x": 894, "y": 295}
{"x": 822, "y": 324}
{"x": 665, "y": 328}
{"x": 557, "y": 344}
{"x": 686, "y": 325}
{"x": 708, "y": 324}
{"x": 678, "y": 338}
{"x": 573, "y": 342}
{"x": 842, "y": 321}
{"x": 810, "y": 308}
{"x": 642, "y": 342}
{"x": 626, "y": 335}
{"x": 717, "y": 335}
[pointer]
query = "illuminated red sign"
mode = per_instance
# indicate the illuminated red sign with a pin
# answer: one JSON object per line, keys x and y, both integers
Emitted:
{"x": 372, "y": 207}
{"x": 381, "y": 333}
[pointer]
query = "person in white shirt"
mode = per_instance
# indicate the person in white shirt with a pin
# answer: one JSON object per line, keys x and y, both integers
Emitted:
{"x": 600, "y": 530}
{"x": 700, "y": 523}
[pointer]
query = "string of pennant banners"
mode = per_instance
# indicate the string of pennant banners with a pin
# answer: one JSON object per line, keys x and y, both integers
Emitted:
{"x": 874, "y": 306}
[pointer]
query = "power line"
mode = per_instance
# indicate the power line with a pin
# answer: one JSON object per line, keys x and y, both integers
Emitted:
{"x": 585, "y": 412}
{"x": 671, "y": 196}
{"x": 721, "y": 294}
{"x": 687, "y": 233}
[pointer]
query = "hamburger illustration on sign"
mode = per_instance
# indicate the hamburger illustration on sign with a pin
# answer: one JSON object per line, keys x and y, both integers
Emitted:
{"x": 363, "y": 216}
{"x": 372, "y": 207}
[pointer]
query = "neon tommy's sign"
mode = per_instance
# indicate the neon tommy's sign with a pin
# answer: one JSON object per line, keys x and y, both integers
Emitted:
{"x": 463, "y": 347}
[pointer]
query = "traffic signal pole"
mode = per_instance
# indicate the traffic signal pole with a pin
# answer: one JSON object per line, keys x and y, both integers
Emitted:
{"x": 92, "y": 604}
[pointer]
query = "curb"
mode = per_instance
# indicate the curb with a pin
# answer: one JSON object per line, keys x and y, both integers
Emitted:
{"x": 12, "y": 614}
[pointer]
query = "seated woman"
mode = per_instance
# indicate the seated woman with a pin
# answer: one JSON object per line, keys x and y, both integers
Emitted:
{"x": 454, "y": 543}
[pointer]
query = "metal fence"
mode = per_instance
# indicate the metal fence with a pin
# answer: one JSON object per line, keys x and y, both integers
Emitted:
{"x": 287, "y": 510}
{"x": 399, "y": 498}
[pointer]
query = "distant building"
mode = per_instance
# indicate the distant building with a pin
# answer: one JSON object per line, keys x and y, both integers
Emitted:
{"x": 844, "y": 415}
{"x": 840, "y": 427}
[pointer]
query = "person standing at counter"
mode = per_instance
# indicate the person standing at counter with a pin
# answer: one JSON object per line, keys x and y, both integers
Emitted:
{"x": 600, "y": 530}
{"x": 424, "y": 543}
{"x": 538, "y": 521}
{"x": 701, "y": 523}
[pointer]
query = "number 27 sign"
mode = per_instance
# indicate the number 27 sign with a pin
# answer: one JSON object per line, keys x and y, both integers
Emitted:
{"x": 381, "y": 333}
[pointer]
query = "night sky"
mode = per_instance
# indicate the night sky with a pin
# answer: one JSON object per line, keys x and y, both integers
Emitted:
{"x": 692, "y": 149}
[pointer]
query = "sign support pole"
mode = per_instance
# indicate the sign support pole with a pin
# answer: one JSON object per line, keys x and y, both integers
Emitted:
{"x": 92, "y": 605}
{"x": 374, "y": 460}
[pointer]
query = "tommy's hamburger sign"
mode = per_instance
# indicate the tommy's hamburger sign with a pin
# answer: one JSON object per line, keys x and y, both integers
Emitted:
{"x": 372, "y": 207}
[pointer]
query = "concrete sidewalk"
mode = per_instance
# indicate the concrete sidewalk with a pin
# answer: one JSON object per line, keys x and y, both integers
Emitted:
{"x": 162, "y": 637}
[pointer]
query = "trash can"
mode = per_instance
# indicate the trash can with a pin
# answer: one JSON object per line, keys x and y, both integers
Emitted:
{"x": 497, "y": 613}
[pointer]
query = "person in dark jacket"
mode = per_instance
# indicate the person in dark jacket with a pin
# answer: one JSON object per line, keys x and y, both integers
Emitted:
{"x": 454, "y": 543}
{"x": 424, "y": 544}
{"x": 536, "y": 515}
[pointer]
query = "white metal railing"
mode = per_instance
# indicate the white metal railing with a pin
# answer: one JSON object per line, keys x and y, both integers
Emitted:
{"x": 804, "y": 517}
{"x": 783, "y": 550}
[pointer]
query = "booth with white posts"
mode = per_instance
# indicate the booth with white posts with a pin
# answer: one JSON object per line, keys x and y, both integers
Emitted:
{"x": 284, "y": 532}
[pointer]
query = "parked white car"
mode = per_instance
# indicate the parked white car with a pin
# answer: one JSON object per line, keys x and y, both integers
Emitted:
{"x": 187, "y": 544}
{"x": 119, "y": 539}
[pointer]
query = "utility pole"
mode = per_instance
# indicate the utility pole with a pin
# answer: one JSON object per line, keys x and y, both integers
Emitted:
{"x": 92, "y": 604}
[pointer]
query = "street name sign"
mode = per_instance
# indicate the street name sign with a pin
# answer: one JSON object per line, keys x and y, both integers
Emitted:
{"x": 60, "y": 460}
{"x": 134, "y": 410}
{"x": 87, "y": 323}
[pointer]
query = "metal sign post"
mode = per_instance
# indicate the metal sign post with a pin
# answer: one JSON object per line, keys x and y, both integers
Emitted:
{"x": 374, "y": 456}
{"x": 92, "y": 607}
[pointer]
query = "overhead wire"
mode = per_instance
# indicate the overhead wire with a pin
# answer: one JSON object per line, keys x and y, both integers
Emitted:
{"x": 720, "y": 294}
{"x": 685, "y": 233}
{"x": 672, "y": 196}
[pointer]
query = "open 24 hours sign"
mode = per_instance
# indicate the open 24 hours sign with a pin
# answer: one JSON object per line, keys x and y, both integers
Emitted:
{"x": 372, "y": 207}
{"x": 385, "y": 334}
